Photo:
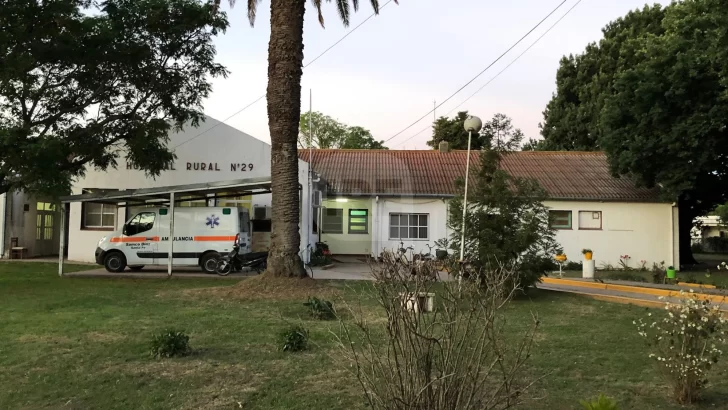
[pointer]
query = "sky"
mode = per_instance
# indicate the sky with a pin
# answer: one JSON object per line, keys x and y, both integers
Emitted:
{"x": 387, "y": 73}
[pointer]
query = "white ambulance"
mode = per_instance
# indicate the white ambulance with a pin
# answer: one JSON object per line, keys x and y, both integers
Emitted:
{"x": 201, "y": 236}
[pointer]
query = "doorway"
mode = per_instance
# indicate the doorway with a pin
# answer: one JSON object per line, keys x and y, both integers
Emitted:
{"x": 45, "y": 218}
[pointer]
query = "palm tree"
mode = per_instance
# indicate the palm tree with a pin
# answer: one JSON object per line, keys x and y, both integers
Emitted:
{"x": 285, "y": 66}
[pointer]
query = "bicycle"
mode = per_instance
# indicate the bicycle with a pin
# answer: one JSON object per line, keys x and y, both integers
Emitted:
{"x": 402, "y": 253}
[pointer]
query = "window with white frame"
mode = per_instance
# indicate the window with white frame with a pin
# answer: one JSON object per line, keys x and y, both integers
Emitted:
{"x": 590, "y": 220}
{"x": 98, "y": 216}
{"x": 409, "y": 226}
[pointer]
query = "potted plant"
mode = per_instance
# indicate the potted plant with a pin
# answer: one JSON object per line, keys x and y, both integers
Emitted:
{"x": 670, "y": 272}
{"x": 560, "y": 258}
{"x": 587, "y": 253}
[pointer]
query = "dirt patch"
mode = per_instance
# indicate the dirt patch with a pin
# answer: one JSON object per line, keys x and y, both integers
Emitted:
{"x": 175, "y": 368}
{"x": 269, "y": 287}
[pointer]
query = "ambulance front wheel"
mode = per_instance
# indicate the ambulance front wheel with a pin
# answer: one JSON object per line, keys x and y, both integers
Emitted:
{"x": 115, "y": 262}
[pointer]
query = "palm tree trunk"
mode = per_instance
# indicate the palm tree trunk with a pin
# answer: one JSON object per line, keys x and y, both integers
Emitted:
{"x": 285, "y": 60}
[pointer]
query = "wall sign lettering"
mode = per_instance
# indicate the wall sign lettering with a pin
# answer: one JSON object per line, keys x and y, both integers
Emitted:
{"x": 204, "y": 166}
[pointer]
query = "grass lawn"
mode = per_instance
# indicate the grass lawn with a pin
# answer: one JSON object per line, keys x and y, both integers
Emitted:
{"x": 82, "y": 343}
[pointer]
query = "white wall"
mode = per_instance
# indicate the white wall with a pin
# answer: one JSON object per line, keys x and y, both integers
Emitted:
{"x": 436, "y": 208}
{"x": 223, "y": 150}
{"x": 642, "y": 231}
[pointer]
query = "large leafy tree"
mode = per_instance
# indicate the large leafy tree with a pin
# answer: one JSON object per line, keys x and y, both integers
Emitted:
{"x": 84, "y": 82}
{"x": 321, "y": 131}
{"x": 285, "y": 67}
{"x": 497, "y": 132}
{"x": 665, "y": 122}
{"x": 452, "y": 130}
{"x": 506, "y": 220}
{"x": 656, "y": 104}
{"x": 583, "y": 81}
{"x": 360, "y": 138}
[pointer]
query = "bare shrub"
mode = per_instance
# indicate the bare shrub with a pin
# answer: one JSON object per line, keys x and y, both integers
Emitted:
{"x": 455, "y": 357}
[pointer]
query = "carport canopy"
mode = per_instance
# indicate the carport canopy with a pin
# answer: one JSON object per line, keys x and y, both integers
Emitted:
{"x": 167, "y": 195}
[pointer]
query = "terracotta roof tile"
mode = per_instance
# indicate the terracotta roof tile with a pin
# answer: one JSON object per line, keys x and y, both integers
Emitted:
{"x": 565, "y": 175}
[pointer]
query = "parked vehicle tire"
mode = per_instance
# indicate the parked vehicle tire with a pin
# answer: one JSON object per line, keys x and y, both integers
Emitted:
{"x": 115, "y": 262}
{"x": 223, "y": 267}
{"x": 208, "y": 262}
{"x": 136, "y": 268}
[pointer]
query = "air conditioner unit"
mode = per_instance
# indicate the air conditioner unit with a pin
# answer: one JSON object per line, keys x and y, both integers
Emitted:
{"x": 262, "y": 212}
{"x": 317, "y": 199}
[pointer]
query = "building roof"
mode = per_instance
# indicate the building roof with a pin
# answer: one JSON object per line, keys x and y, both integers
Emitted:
{"x": 564, "y": 175}
{"x": 161, "y": 195}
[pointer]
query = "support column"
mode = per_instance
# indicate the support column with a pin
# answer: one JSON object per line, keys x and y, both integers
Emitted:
{"x": 171, "y": 235}
{"x": 62, "y": 240}
{"x": 3, "y": 213}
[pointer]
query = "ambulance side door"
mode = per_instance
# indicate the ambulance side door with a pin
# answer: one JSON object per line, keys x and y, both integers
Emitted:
{"x": 141, "y": 246}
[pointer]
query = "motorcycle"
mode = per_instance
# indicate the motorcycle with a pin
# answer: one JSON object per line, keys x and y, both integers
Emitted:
{"x": 235, "y": 261}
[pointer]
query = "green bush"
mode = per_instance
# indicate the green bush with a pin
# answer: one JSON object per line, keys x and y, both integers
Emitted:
{"x": 532, "y": 268}
{"x": 320, "y": 309}
{"x": 625, "y": 276}
{"x": 716, "y": 244}
{"x": 294, "y": 339}
{"x": 601, "y": 403}
{"x": 571, "y": 265}
{"x": 170, "y": 343}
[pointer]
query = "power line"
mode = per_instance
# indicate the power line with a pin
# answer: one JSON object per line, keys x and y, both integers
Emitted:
{"x": 480, "y": 73}
{"x": 504, "y": 69}
{"x": 308, "y": 64}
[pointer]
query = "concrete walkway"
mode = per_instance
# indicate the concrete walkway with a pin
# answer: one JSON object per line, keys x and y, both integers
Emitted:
{"x": 664, "y": 286}
{"x": 630, "y": 292}
{"x": 157, "y": 272}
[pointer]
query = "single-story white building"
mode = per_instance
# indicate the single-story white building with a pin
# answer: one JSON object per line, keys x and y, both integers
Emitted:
{"x": 360, "y": 202}
{"x": 376, "y": 199}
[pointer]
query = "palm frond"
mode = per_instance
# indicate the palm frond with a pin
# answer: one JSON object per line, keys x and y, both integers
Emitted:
{"x": 216, "y": 4}
{"x": 343, "y": 7}
{"x": 355, "y": 3}
{"x": 252, "y": 9}
{"x": 317, "y": 5}
{"x": 375, "y": 6}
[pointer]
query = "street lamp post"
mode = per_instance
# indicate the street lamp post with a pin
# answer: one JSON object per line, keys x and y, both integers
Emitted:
{"x": 472, "y": 124}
